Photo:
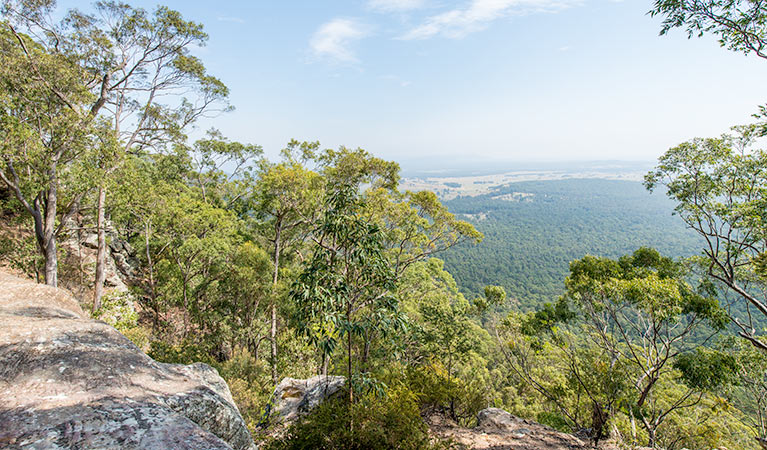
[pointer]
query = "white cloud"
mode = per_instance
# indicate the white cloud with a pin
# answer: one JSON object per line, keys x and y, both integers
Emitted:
{"x": 333, "y": 40}
{"x": 395, "y": 5}
{"x": 459, "y": 22}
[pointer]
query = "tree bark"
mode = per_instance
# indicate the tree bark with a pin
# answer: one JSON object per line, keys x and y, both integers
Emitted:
{"x": 349, "y": 370}
{"x": 51, "y": 262}
{"x": 48, "y": 231}
{"x": 275, "y": 278}
{"x": 98, "y": 288}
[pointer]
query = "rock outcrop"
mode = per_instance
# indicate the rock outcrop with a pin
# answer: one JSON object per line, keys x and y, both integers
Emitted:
{"x": 498, "y": 430}
{"x": 81, "y": 245}
{"x": 67, "y": 381}
{"x": 293, "y": 397}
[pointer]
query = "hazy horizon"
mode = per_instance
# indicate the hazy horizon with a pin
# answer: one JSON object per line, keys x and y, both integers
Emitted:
{"x": 493, "y": 79}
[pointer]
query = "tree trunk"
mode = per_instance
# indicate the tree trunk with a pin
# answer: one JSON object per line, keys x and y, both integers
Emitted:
{"x": 275, "y": 277}
{"x": 49, "y": 230}
{"x": 633, "y": 427}
{"x": 366, "y": 351}
{"x": 450, "y": 385}
{"x": 51, "y": 262}
{"x": 349, "y": 370}
{"x": 98, "y": 288}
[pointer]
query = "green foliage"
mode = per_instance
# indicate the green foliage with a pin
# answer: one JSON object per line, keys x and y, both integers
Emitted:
{"x": 391, "y": 421}
{"x": 346, "y": 288}
{"x": 528, "y": 246}
{"x": 186, "y": 352}
{"x": 707, "y": 369}
{"x": 250, "y": 384}
{"x": 236, "y": 252}
{"x": 18, "y": 248}
{"x": 740, "y": 25}
{"x": 118, "y": 311}
{"x": 495, "y": 295}
{"x": 719, "y": 185}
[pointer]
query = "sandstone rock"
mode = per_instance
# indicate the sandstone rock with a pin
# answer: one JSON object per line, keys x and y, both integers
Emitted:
{"x": 499, "y": 430}
{"x": 67, "y": 381}
{"x": 497, "y": 420}
{"x": 82, "y": 245}
{"x": 293, "y": 398}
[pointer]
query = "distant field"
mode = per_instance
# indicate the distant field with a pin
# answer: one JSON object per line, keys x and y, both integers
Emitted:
{"x": 449, "y": 187}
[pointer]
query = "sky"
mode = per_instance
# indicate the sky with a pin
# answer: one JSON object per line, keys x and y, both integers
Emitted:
{"x": 441, "y": 81}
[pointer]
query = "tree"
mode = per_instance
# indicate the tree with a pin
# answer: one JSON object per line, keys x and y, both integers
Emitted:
{"x": 46, "y": 133}
{"x": 719, "y": 185}
{"x": 442, "y": 331}
{"x": 616, "y": 333}
{"x": 131, "y": 62}
{"x": 417, "y": 225}
{"x": 641, "y": 313}
{"x": 286, "y": 197}
{"x": 740, "y": 25}
{"x": 193, "y": 238}
{"x": 347, "y": 278}
{"x": 579, "y": 385}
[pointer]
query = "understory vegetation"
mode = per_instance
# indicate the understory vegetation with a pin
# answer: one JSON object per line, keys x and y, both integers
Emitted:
{"x": 318, "y": 263}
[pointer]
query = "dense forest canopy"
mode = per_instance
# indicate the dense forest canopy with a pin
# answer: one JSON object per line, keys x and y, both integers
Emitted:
{"x": 534, "y": 229}
{"x": 587, "y": 306}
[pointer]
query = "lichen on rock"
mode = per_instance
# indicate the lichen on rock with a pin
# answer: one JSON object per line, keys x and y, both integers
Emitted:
{"x": 67, "y": 381}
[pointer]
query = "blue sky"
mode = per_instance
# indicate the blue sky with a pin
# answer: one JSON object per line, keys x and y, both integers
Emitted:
{"x": 526, "y": 80}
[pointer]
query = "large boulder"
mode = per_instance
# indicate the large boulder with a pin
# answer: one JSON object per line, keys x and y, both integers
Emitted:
{"x": 497, "y": 429}
{"x": 67, "y": 381}
{"x": 497, "y": 420}
{"x": 293, "y": 397}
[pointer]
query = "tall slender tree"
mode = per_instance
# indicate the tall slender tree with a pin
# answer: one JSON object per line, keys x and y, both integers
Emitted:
{"x": 140, "y": 73}
{"x": 288, "y": 200}
{"x": 46, "y": 133}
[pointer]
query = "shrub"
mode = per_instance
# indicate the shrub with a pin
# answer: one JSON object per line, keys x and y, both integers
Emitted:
{"x": 392, "y": 421}
{"x": 117, "y": 310}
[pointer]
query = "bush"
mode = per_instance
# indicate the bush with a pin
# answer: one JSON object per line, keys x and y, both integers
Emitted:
{"x": 250, "y": 382}
{"x": 462, "y": 396}
{"x": 117, "y": 310}
{"x": 185, "y": 353}
{"x": 389, "y": 422}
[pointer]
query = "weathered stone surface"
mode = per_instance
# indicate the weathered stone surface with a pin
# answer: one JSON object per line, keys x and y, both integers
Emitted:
{"x": 67, "y": 381}
{"x": 82, "y": 245}
{"x": 294, "y": 397}
{"x": 498, "y": 420}
{"x": 498, "y": 430}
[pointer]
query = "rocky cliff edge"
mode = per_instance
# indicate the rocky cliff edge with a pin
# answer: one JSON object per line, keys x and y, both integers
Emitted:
{"x": 68, "y": 381}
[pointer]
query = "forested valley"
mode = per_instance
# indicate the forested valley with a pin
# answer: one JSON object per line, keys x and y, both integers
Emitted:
{"x": 534, "y": 229}
{"x": 583, "y": 305}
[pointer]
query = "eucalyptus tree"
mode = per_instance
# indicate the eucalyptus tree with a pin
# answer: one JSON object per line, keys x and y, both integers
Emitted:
{"x": 347, "y": 278}
{"x": 740, "y": 25}
{"x": 139, "y": 71}
{"x": 442, "y": 332}
{"x": 415, "y": 226}
{"x": 719, "y": 185}
{"x": 287, "y": 200}
{"x": 48, "y": 136}
{"x": 616, "y": 333}
{"x": 641, "y": 313}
